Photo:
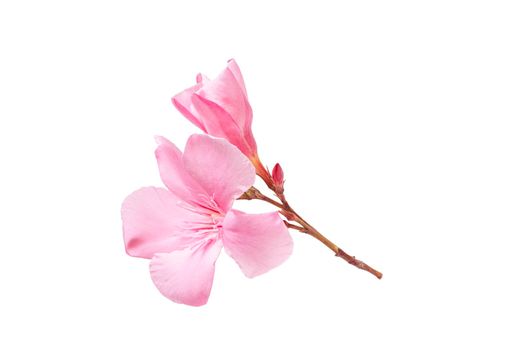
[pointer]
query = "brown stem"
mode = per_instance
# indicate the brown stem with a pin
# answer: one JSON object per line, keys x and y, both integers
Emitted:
{"x": 357, "y": 263}
{"x": 338, "y": 251}
{"x": 288, "y": 212}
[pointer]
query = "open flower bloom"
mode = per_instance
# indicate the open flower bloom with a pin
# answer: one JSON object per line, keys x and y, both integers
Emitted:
{"x": 183, "y": 228}
{"x": 220, "y": 108}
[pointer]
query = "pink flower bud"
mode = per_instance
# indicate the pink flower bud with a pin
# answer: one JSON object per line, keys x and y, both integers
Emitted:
{"x": 278, "y": 178}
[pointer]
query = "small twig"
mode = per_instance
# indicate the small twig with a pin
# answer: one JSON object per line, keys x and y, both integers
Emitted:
{"x": 295, "y": 227}
{"x": 253, "y": 193}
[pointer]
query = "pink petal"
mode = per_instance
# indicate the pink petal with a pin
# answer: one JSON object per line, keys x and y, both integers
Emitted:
{"x": 257, "y": 242}
{"x": 186, "y": 276}
{"x": 201, "y": 79}
{"x": 236, "y": 71}
{"x": 153, "y": 222}
{"x": 227, "y": 92}
{"x": 183, "y": 102}
{"x": 219, "y": 168}
{"x": 173, "y": 172}
{"x": 217, "y": 122}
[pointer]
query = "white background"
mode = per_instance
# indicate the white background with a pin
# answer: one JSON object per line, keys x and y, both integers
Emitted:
{"x": 400, "y": 127}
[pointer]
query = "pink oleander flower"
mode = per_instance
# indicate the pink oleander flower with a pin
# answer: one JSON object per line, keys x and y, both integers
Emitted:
{"x": 220, "y": 108}
{"x": 183, "y": 228}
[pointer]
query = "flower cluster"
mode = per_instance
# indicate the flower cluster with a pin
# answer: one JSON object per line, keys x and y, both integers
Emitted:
{"x": 182, "y": 228}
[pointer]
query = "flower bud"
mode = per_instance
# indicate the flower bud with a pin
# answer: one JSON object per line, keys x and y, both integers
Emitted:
{"x": 278, "y": 178}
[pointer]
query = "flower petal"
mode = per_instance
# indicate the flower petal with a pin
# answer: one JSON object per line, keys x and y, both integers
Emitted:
{"x": 236, "y": 71}
{"x": 217, "y": 122}
{"x": 229, "y": 92}
{"x": 153, "y": 222}
{"x": 219, "y": 168}
{"x": 183, "y": 102}
{"x": 186, "y": 276}
{"x": 173, "y": 172}
{"x": 257, "y": 242}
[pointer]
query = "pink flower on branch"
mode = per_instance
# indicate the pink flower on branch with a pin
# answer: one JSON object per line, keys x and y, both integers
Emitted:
{"x": 183, "y": 228}
{"x": 220, "y": 108}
